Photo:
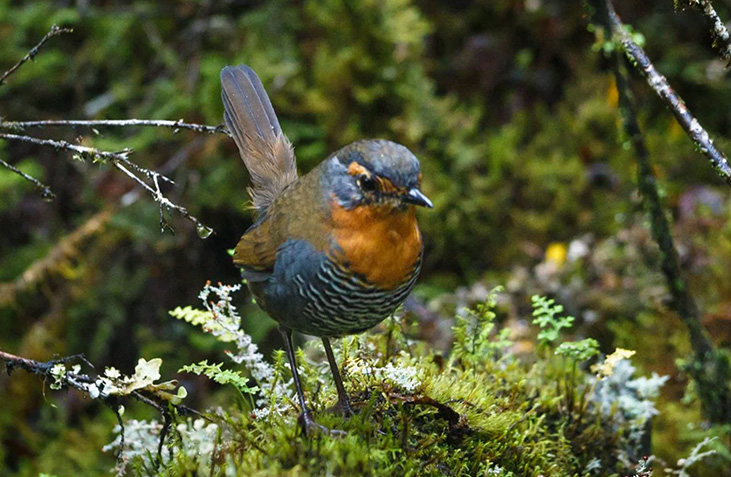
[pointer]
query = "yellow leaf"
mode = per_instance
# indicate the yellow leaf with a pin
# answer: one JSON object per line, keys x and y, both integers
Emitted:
{"x": 606, "y": 369}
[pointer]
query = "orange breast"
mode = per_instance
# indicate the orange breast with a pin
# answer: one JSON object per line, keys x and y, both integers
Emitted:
{"x": 378, "y": 242}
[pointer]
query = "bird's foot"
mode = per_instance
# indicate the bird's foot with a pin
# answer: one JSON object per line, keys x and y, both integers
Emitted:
{"x": 310, "y": 427}
{"x": 342, "y": 408}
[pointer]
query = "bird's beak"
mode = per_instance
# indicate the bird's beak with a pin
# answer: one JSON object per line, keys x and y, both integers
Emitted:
{"x": 416, "y": 197}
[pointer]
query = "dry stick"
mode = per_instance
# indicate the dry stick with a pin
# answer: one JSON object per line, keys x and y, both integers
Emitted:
{"x": 45, "y": 190}
{"x": 719, "y": 32}
{"x": 121, "y": 161}
{"x": 709, "y": 369}
{"x": 663, "y": 89}
{"x": 55, "y": 30}
{"x": 82, "y": 382}
{"x": 85, "y": 153}
{"x": 160, "y": 123}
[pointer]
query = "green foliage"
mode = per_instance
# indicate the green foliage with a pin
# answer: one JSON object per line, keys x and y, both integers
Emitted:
{"x": 473, "y": 329}
{"x": 221, "y": 376}
{"x": 415, "y": 415}
{"x": 579, "y": 351}
{"x": 546, "y": 311}
{"x": 192, "y": 315}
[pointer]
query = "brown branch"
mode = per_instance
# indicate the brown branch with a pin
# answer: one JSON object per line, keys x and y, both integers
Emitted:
{"x": 160, "y": 123}
{"x": 83, "y": 382}
{"x": 662, "y": 88}
{"x": 121, "y": 161}
{"x": 85, "y": 153}
{"x": 719, "y": 32}
{"x": 55, "y": 30}
{"x": 45, "y": 190}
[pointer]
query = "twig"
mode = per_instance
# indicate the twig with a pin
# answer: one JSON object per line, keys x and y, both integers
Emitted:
{"x": 55, "y": 30}
{"x": 719, "y": 32}
{"x": 45, "y": 190}
{"x": 660, "y": 85}
{"x": 120, "y": 452}
{"x": 85, "y": 153}
{"x": 84, "y": 383}
{"x": 710, "y": 369}
{"x": 160, "y": 123}
{"x": 167, "y": 424}
{"x": 121, "y": 161}
{"x": 74, "y": 380}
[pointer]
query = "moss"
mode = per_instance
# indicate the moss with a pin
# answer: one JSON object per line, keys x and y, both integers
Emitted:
{"x": 480, "y": 412}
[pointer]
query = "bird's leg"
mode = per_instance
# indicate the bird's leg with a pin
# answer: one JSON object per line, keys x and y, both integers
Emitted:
{"x": 309, "y": 426}
{"x": 343, "y": 405}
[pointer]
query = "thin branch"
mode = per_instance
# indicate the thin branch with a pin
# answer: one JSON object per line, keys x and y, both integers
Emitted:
{"x": 160, "y": 123}
{"x": 45, "y": 190}
{"x": 121, "y": 161}
{"x": 709, "y": 368}
{"x": 167, "y": 424}
{"x": 55, "y": 30}
{"x": 85, "y": 153}
{"x": 682, "y": 301}
{"x": 82, "y": 382}
{"x": 660, "y": 85}
{"x": 719, "y": 32}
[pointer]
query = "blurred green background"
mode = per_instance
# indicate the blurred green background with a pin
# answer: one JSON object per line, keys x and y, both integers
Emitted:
{"x": 507, "y": 103}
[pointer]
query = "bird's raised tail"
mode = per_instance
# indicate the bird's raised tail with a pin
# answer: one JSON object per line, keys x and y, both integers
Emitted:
{"x": 265, "y": 150}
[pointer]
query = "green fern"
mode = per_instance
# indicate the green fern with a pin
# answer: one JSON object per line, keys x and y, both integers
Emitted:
{"x": 546, "y": 312}
{"x": 221, "y": 376}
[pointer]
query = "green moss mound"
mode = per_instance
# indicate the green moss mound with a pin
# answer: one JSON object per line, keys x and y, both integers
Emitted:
{"x": 478, "y": 411}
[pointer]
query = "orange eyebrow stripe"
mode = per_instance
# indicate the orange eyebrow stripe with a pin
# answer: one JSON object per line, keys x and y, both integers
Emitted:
{"x": 384, "y": 185}
{"x": 355, "y": 169}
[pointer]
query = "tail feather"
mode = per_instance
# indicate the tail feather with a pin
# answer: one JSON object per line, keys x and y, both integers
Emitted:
{"x": 265, "y": 150}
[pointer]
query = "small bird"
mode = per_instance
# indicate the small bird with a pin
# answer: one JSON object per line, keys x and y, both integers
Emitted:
{"x": 333, "y": 252}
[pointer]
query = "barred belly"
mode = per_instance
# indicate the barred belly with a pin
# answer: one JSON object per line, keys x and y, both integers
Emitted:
{"x": 340, "y": 302}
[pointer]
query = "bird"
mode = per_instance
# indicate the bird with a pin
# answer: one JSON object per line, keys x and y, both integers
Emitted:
{"x": 332, "y": 252}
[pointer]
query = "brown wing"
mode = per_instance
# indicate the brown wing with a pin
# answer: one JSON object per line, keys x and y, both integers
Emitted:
{"x": 299, "y": 212}
{"x": 257, "y": 248}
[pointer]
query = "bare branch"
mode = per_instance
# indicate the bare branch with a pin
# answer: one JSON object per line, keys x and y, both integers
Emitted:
{"x": 45, "y": 190}
{"x": 719, "y": 32}
{"x": 121, "y": 161}
{"x": 85, "y": 153}
{"x": 660, "y": 85}
{"x": 160, "y": 123}
{"x": 94, "y": 387}
{"x": 55, "y": 30}
{"x": 709, "y": 368}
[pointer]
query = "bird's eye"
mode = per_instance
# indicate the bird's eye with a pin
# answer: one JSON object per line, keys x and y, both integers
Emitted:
{"x": 367, "y": 183}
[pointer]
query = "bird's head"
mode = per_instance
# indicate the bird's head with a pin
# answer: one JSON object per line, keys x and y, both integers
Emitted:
{"x": 375, "y": 172}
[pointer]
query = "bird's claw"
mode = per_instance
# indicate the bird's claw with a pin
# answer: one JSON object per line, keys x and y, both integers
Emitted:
{"x": 342, "y": 408}
{"x": 310, "y": 427}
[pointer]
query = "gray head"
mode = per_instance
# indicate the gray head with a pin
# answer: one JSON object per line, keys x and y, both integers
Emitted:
{"x": 375, "y": 171}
